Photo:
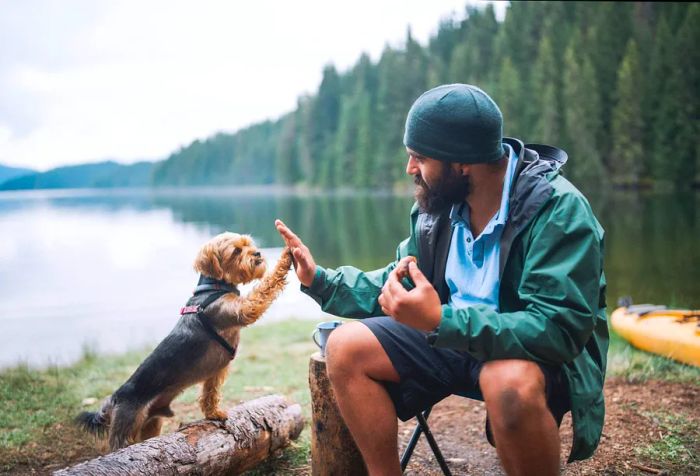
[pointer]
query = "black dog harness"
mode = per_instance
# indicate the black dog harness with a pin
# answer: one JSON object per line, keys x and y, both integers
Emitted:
{"x": 207, "y": 291}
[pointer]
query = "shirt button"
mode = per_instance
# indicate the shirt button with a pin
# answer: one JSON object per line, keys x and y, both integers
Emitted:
{"x": 469, "y": 239}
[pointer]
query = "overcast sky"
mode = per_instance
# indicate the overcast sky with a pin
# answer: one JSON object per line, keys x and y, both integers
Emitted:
{"x": 88, "y": 80}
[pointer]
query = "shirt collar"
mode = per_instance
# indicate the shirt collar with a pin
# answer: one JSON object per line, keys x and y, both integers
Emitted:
{"x": 460, "y": 211}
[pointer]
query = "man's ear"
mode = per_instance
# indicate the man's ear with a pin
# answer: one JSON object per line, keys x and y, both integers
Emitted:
{"x": 463, "y": 169}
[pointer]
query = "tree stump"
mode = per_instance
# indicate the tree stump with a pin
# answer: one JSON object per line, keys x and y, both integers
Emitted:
{"x": 253, "y": 431}
{"x": 333, "y": 451}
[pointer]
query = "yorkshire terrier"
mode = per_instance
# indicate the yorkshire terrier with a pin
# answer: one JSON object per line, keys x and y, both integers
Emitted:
{"x": 199, "y": 348}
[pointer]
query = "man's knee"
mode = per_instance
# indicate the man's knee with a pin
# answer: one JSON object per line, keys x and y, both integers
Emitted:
{"x": 513, "y": 390}
{"x": 352, "y": 349}
{"x": 343, "y": 348}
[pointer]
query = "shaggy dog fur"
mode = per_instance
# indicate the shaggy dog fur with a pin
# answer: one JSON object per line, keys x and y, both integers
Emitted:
{"x": 188, "y": 355}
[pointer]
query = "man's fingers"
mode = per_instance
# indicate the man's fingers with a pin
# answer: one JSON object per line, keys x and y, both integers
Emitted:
{"x": 301, "y": 257}
{"x": 288, "y": 235}
{"x": 384, "y": 302}
{"x": 416, "y": 275}
{"x": 396, "y": 288}
{"x": 402, "y": 266}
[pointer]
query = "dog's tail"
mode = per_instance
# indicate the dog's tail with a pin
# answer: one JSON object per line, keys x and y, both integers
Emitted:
{"x": 97, "y": 422}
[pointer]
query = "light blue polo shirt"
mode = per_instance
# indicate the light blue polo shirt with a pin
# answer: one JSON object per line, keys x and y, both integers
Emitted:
{"x": 472, "y": 263}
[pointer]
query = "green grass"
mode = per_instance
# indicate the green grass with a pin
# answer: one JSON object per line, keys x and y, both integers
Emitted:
{"x": 637, "y": 366}
{"x": 678, "y": 442}
{"x": 37, "y": 407}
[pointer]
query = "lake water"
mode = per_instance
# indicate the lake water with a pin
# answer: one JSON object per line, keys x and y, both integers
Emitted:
{"x": 110, "y": 269}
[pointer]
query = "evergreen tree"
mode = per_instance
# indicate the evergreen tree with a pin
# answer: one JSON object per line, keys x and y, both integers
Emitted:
{"x": 627, "y": 125}
{"x": 471, "y": 60}
{"x": 286, "y": 166}
{"x": 324, "y": 122}
{"x": 364, "y": 150}
{"x": 677, "y": 120}
{"x": 560, "y": 73}
{"x": 303, "y": 118}
{"x": 611, "y": 28}
{"x": 582, "y": 113}
{"x": 344, "y": 150}
{"x": 688, "y": 52}
{"x": 548, "y": 125}
{"x": 658, "y": 100}
{"x": 508, "y": 96}
{"x": 440, "y": 49}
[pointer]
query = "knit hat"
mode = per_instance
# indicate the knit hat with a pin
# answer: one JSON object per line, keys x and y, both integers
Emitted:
{"x": 455, "y": 123}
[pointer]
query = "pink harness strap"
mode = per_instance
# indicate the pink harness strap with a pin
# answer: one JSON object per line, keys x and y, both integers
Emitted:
{"x": 189, "y": 310}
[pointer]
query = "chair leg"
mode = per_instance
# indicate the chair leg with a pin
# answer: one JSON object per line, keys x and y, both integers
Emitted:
{"x": 433, "y": 445}
{"x": 422, "y": 427}
{"x": 408, "y": 452}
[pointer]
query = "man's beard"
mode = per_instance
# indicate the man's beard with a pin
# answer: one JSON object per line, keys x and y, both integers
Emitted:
{"x": 450, "y": 188}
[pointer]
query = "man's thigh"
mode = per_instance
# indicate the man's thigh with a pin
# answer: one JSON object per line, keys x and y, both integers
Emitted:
{"x": 426, "y": 374}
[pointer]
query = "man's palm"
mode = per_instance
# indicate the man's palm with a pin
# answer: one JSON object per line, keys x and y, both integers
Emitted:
{"x": 304, "y": 263}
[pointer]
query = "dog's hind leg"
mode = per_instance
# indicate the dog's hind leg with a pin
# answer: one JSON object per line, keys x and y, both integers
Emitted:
{"x": 127, "y": 420}
{"x": 155, "y": 417}
{"x": 151, "y": 428}
{"x": 211, "y": 396}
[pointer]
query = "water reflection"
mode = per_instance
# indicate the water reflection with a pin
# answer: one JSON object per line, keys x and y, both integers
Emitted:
{"x": 112, "y": 267}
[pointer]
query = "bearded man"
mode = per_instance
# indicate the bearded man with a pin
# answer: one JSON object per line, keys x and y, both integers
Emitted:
{"x": 505, "y": 302}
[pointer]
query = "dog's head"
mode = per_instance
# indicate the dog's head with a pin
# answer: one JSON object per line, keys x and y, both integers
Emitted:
{"x": 231, "y": 257}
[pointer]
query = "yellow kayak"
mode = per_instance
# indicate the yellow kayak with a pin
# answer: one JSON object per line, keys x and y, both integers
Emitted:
{"x": 671, "y": 333}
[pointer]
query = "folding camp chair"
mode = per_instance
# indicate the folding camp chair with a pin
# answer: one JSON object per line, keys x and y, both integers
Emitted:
{"x": 422, "y": 427}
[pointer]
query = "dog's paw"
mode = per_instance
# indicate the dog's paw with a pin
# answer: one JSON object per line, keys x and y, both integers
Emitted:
{"x": 285, "y": 261}
{"x": 218, "y": 415}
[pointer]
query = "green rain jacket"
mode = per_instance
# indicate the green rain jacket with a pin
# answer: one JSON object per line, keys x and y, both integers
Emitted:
{"x": 551, "y": 294}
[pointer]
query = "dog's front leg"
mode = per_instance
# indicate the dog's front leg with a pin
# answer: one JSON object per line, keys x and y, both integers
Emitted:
{"x": 211, "y": 396}
{"x": 260, "y": 298}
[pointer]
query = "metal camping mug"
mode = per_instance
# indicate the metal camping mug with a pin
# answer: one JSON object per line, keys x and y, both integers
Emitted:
{"x": 323, "y": 330}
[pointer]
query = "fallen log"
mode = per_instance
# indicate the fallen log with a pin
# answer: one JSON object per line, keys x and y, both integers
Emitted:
{"x": 253, "y": 431}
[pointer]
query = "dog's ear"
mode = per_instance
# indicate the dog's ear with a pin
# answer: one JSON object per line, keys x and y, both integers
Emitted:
{"x": 208, "y": 262}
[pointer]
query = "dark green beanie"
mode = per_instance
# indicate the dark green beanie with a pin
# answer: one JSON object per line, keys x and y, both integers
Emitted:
{"x": 455, "y": 123}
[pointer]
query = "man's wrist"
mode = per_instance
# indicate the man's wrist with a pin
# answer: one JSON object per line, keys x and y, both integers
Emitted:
{"x": 318, "y": 281}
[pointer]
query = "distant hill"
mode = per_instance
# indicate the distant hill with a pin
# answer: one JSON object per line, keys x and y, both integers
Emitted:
{"x": 7, "y": 173}
{"x": 98, "y": 175}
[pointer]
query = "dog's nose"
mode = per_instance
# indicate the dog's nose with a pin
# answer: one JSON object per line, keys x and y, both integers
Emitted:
{"x": 257, "y": 254}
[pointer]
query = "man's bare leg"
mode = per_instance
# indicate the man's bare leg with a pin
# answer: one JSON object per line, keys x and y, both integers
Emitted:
{"x": 356, "y": 364}
{"x": 526, "y": 434}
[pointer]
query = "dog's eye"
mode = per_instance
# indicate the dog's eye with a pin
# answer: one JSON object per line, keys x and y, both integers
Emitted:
{"x": 236, "y": 251}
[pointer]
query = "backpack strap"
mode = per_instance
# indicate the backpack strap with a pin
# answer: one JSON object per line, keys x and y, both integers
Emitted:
{"x": 549, "y": 152}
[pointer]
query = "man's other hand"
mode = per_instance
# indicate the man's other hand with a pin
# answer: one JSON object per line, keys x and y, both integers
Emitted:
{"x": 419, "y": 308}
{"x": 304, "y": 263}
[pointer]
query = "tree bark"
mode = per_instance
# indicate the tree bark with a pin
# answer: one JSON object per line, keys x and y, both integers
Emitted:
{"x": 253, "y": 431}
{"x": 333, "y": 450}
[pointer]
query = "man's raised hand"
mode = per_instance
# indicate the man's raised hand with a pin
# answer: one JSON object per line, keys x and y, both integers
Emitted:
{"x": 304, "y": 263}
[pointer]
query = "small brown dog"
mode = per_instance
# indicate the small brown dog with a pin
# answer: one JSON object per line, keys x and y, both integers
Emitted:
{"x": 200, "y": 346}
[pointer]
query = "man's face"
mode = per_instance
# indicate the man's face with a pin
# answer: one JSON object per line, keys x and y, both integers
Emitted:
{"x": 438, "y": 184}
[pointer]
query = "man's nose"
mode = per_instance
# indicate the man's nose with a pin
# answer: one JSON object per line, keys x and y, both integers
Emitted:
{"x": 412, "y": 166}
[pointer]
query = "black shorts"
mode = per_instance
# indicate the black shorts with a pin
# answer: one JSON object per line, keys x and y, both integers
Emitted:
{"x": 428, "y": 374}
